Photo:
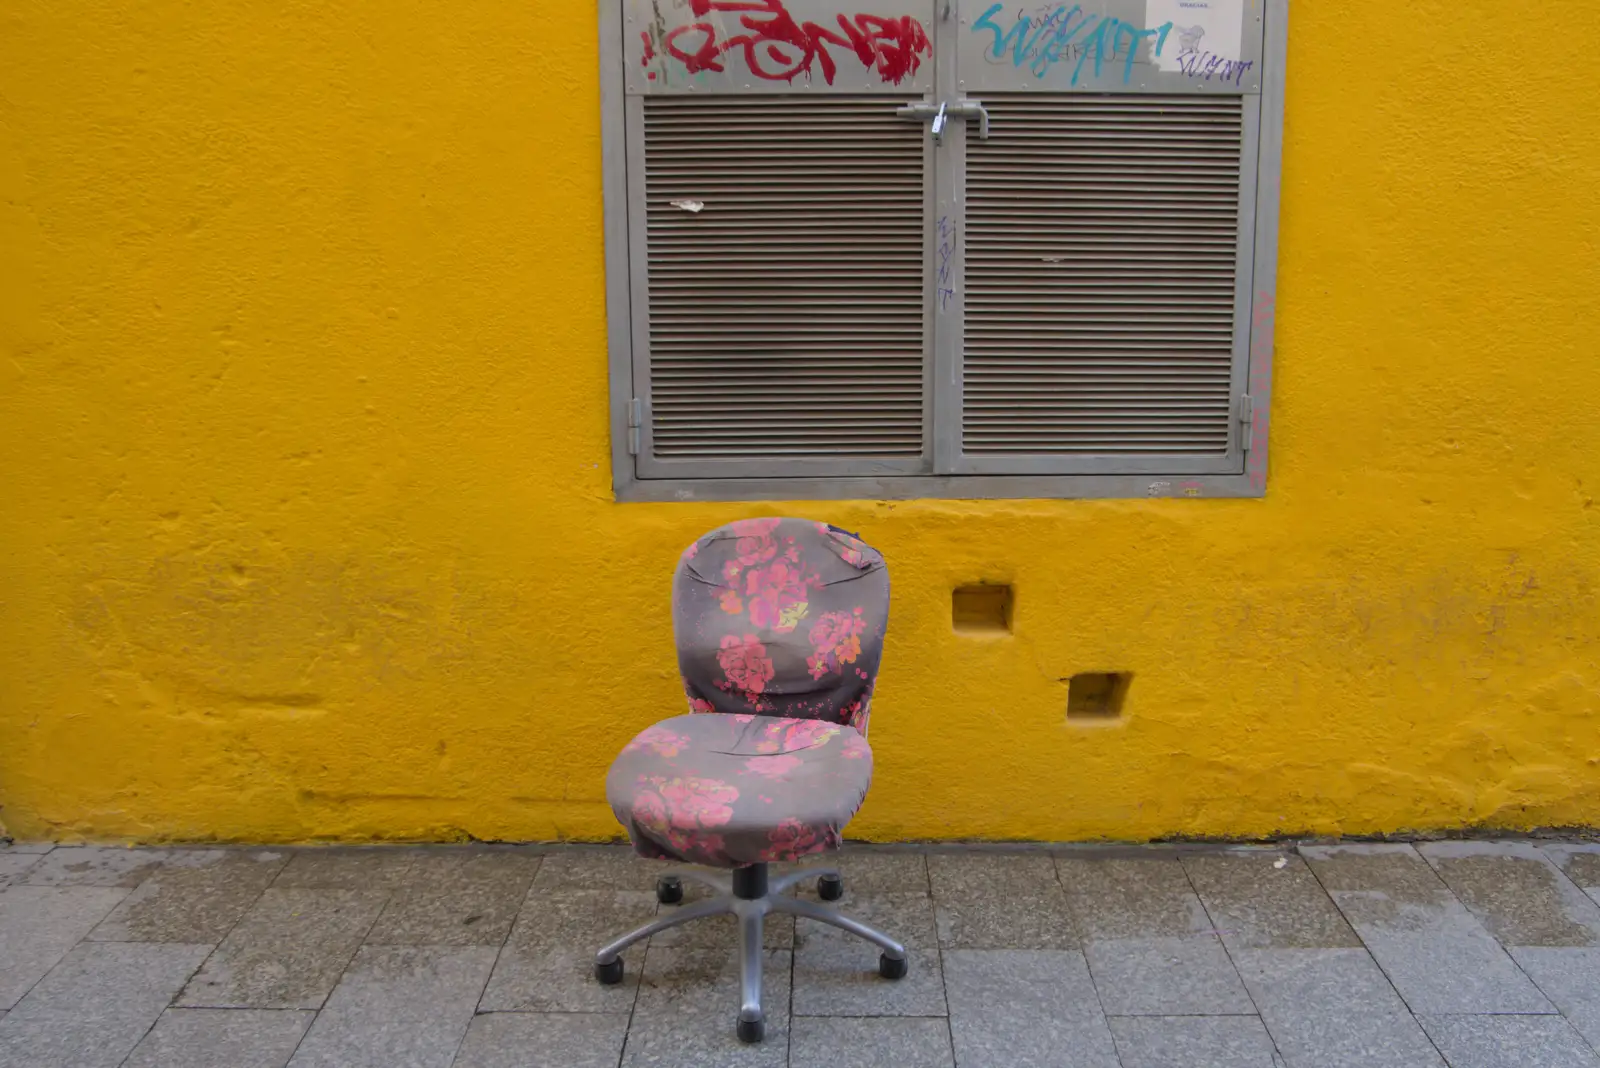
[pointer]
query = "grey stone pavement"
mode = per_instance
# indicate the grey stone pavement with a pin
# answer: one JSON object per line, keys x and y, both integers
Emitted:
{"x": 1468, "y": 954}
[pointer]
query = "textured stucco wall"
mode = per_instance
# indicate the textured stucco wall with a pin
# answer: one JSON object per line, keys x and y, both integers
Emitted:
{"x": 308, "y": 530}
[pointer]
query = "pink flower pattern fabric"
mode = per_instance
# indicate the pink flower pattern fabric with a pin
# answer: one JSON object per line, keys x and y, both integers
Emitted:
{"x": 780, "y": 627}
{"x": 736, "y": 790}
{"x": 783, "y": 617}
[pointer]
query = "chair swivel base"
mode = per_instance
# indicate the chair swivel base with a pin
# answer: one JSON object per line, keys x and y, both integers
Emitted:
{"x": 750, "y": 895}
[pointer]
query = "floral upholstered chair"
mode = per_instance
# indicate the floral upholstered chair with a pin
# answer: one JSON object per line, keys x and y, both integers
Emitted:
{"x": 780, "y": 626}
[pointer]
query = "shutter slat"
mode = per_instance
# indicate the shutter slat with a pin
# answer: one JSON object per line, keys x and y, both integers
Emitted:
{"x": 787, "y": 315}
{"x": 813, "y": 346}
{"x": 1100, "y": 263}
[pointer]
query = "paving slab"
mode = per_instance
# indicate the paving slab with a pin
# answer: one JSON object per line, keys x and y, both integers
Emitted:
{"x": 870, "y": 873}
{"x": 222, "y": 1038}
{"x": 1000, "y": 901}
{"x": 827, "y": 1042}
{"x": 836, "y": 974}
{"x": 95, "y": 1006}
{"x": 8, "y": 846}
{"x": 1268, "y": 900}
{"x": 1177, "y": 976}
{"x": 194, "y": 896}
{"x": 15, "y": 865}
{"x": 1580, "y": 862}
{"x": 1015, "y": 1008}
{"x": 1517, "y": 892}
{"x": 1149, "y": 942}
{"x": 547, "y": 965}
{"x": 287, "y": 952}
{"x": 1193, "y": 1042}
{"x": 39, "y": 924}
{"x": 1570, "y": 978}
{"x": 909, "y": 918}
{"x": 1439, "y": 958}
{"x": 1507, "y": 1041}
{"x": 1148, "y": 939}
{"x": 611, "y": 868}
{"x": 1131, "y": 898}
{"x": 720, "y": 932}
{"x": 531, "y": 1040}
{"x": 1333, "y": 1008}
{"x": 398, "y": 1007}
{"x": 94, "y": 866}
{"x": 458, "y": 899}
{"x": 688, "y": 1004}
{"x": 1181, "y": 947}
{"x": 334, "y": 868}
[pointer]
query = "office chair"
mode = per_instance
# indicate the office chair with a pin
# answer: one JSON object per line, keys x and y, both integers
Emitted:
{"x": 780, "y": 626}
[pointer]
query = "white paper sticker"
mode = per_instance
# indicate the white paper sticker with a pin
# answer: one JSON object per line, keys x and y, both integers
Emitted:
{"x": 1201, "y": 30}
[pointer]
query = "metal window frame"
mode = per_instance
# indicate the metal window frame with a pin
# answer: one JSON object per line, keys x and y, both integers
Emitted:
{"x": 1258, "y": 313}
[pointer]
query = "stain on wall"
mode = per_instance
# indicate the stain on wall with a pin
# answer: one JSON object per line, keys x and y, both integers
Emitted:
{"x": 308, "y": 530}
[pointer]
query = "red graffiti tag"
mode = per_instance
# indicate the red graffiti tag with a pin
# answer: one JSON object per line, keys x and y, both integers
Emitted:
{"x": 649, "y": 54}
{"x": 778, "y": 48}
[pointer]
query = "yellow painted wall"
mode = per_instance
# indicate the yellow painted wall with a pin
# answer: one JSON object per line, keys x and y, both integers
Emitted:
{"x": 308, "y": 532}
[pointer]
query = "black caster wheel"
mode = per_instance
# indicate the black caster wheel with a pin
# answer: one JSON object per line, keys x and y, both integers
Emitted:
{"x": 669, "y": 890}
{"x": 890, "y": 968}
{"x": 609, "y": 974}
{"x": 752, "y": 1031}
{"x": 830, "y": 887}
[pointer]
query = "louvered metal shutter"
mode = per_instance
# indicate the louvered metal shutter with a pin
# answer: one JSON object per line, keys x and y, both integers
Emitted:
{"x": 1101, "y": 252}
{"x": 818, "y": 289}
{"x": 1107, "y": 240}
{"x": 785, "y": 279}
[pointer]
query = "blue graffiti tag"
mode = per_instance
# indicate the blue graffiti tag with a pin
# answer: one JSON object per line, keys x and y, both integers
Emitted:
{"x": 1066, "y": 33}
{"x": 1208, "y": 65}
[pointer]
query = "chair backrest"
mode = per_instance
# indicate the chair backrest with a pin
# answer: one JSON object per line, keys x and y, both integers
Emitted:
{"x": 781, "y": 617}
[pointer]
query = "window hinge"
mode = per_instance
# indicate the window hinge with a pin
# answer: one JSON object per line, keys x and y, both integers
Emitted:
{"x": 1247, "y": 421}
{"x": 635, "y": 424}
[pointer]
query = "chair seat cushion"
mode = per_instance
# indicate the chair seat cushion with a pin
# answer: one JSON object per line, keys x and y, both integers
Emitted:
{"x": 727, "y": 790}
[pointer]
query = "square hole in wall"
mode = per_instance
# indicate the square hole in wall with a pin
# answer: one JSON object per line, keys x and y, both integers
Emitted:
{"x": 1097, "y": 696}
{"x": 982, "y": 609}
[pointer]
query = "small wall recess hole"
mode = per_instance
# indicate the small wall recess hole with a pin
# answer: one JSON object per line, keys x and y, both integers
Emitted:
{"x": 1097, "y": 696}
{"x": 981, "y": 609}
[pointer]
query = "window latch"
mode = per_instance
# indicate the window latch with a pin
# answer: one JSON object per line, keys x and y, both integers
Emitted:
{"x": 940, "y": 114}
{"x": 922, "y": 110}
{"x": 973, "y": 109}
